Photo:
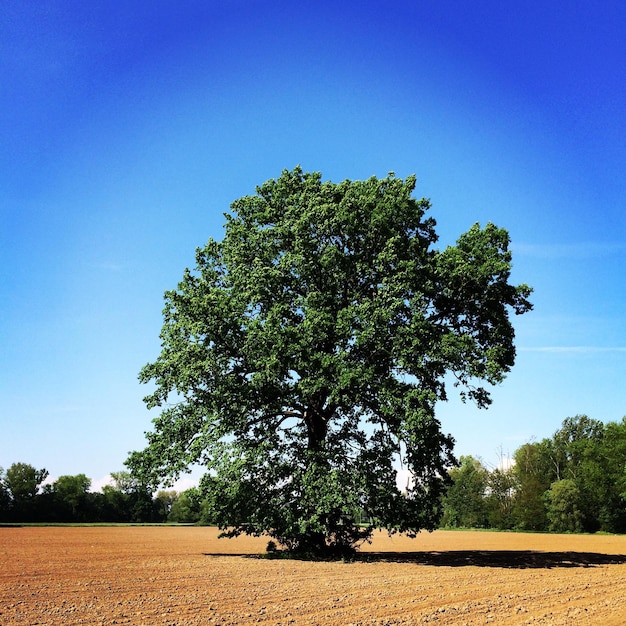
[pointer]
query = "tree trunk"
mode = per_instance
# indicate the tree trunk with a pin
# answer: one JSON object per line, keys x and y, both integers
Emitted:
{"x": 317, "y": 428}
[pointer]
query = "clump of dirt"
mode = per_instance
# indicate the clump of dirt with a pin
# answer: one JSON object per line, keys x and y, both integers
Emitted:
{"x": 186, "y": 576}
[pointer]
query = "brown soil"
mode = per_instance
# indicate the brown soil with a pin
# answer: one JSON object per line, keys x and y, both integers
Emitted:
{"x": 185, "y": 576}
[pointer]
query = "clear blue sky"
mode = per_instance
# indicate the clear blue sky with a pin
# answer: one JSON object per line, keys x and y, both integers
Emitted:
{"x": 128, "y": 128}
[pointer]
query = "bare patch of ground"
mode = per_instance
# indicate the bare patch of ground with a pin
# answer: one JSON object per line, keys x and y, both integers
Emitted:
{"x": 185, "y": 576}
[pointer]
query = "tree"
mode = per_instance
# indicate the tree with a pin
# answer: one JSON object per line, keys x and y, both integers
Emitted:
{"x": 612, "y": 513}
{"x": 23, "y": 482}
{"x": 572, "y": 442}
{"x": 533, "y": 471}
{"x": 116, "y": 506}
{"x": 577, "y": 447}
{"x": 5, "y": 497}
{"x": 163, "y": 502}
{"x": 464, "y": 504}
{"x": 501, "y": 485}
{"x": 304, "y": 356}
{"x": 593, "y": 457}
{"x": 564, "y": 506}
{"x": 71, "y": 496}
{"x": 187, "y": 508}
{"x": 130, "y": 499}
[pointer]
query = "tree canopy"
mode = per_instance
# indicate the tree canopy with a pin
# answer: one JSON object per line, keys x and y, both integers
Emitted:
{"x": 571, "y": 482}
{"x": 303, "y": 357}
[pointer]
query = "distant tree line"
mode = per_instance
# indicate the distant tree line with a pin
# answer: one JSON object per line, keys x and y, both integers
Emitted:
{"x": 574, "y": 481}
{"x": 24, "y": 498}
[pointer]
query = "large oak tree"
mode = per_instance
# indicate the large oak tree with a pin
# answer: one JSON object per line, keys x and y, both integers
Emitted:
{"x": 303, "y": 357}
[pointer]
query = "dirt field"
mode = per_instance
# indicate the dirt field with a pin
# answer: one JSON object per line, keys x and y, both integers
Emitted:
{"x": 185, "y": 576}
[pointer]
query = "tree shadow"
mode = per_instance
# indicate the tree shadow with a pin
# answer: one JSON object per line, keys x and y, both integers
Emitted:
{"x": 508, "y": 559}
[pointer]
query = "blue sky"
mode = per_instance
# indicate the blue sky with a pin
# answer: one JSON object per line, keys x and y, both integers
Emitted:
{"x": 127, "y": 130}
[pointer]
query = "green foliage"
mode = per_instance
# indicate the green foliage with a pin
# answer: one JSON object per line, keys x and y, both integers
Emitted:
{"x": 464, "y": 504}
{"x": 129, "y": 497}
{"x": 528, "y": 496}
{"x": 533, "y": 473}
{"x": 125, "y": 483}
{"x": 5, "y": 497}
{"x": 575, "y": 481}
{"x": 305, "y": 353}
{"x": 164, "y": 501}
{"x": 70, "y": 498}
{"x": 575, "y": 453}
{"x": 564, "y": 507}
{"x": 612, "y": 509}
{"x": 22, "y": 482}
{"x": 188, "y": 507}
{"x": 499, "y": 502}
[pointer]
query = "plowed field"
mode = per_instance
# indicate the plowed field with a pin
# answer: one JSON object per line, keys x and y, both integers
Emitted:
{"x": 185, "y": 576}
